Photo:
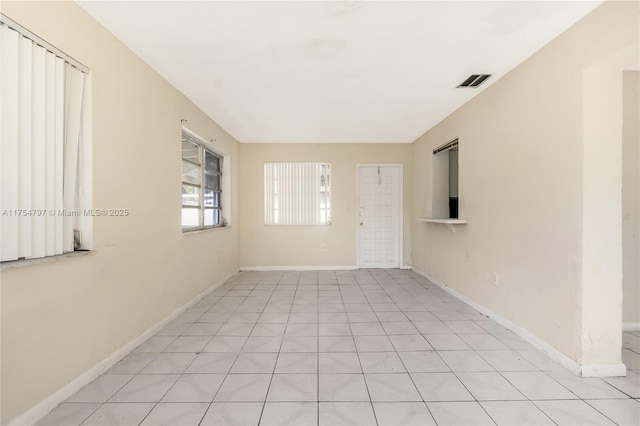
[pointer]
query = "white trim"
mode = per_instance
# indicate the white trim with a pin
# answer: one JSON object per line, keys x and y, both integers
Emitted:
{"x": 603, "y": 370}
{"x": 446, "y": 221}
{"x": 406, "y": 267}
{"x": 525, "y": 334}
{"x": 631, "y": 326}
{"x": 44, "y": 407}
{"x": 299, "y": 268}
{"x": 400, "y": 211}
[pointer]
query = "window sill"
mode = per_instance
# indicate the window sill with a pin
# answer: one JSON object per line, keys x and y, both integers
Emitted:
{"x": 446, "y": 221}
{"x": 21, "y": 263}
{"x": 203, "y": 230}
{"x": 286, "y": 224}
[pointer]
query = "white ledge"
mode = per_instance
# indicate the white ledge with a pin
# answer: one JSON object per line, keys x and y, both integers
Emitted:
{"x": 442, "y": 220}
{"x": 21, "y": 263}
{"x": 447, "y": 221}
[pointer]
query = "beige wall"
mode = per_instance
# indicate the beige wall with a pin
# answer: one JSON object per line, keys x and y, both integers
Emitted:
{"x": 631, "y": 197}
{"x": 601, "y": 275}
{"x": 262, "y": 245}
{"x": 520, "y": 182}
{"x": 521, "y": 188}
{"x": 60, "y": 318}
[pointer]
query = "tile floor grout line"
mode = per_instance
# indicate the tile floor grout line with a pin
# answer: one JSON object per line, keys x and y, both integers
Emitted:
{"x": 596, "y": 408}
{"x": 85, "y": 419}
{"x": 214, "y": 395}
{"x": 225, "y": 376}
{"x": 364, "y": 378}
{"x": 266, "y": 395}
{"x": 246, "y": 292}
{"x": 450, "y": 372}
{"x": 234, "y": 361}
{"x": 404, "y": 365}
{"x": 461, "y": 382}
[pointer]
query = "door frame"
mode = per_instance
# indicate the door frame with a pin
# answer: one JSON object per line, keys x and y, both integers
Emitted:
{"x": 400, "y": 167}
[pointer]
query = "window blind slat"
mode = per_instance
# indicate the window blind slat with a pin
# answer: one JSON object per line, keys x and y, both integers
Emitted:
{"x": 38, "y": 147}
{"x": 295, "y": 195}
{"x": 306, "y": 193}
{"x": 49, "y": 153}
{"x": 73, "y": 114}
{"x": 84, "y": 223}
{"x": 284, "y": 195}
{"x": 265, "y": 190}
{"x": 9, "y": 74}
{"x": 24, "y": 142}
{"x": 315, "y": 204}
{"x": 298, "y": 195}
{"x": 58, "y": 155}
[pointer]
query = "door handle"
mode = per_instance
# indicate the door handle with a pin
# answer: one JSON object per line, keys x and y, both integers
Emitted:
{"x": 361, "y": 223}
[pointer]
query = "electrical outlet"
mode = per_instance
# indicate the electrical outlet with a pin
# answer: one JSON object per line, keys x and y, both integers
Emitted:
{"x": 323, "y": 247}
{"x": 495, "y": 280}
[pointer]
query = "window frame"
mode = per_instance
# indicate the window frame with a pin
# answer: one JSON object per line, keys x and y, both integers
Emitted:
{"x": 203, "y": 148}
{"x": 441, "y": 162}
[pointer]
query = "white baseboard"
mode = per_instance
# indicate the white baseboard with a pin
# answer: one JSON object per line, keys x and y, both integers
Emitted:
{"x": 525, "y": 334}
{"x": 307, "y": 268}
{"x": 299, "y": 268}
{"x": 631, "y": 326}
{"x": 603, "y": 370}
{"x": 44, "y": 407}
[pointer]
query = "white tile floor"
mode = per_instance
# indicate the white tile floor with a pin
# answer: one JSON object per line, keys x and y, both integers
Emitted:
{"x": 376, "y": 347}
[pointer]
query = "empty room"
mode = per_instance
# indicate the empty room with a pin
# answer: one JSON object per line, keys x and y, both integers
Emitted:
{"x": 319, "y": 213}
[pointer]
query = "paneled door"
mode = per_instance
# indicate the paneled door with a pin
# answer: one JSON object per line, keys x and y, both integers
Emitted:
{"x": 379, "y": 218}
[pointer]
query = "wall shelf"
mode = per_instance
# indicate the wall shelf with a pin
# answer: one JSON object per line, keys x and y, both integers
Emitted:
{"x": 446, "y": 221}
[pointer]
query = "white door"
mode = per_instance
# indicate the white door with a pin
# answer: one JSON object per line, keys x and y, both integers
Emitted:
{"x": 379, "y": 215}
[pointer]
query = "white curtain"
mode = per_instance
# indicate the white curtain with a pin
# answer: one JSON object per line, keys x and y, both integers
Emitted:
{"x": 40, "y": 120}
{"x": 293, "y": 193}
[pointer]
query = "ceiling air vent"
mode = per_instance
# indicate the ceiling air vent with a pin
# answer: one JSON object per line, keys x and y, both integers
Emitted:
{"x": 475, "y": 80}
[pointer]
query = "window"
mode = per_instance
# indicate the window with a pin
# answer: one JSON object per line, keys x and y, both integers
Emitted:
{"x": 45, "y": 152}
{"x": 445, "y": 181}
{"x": 297, "y": 193}
{"x": 201, "y": 184}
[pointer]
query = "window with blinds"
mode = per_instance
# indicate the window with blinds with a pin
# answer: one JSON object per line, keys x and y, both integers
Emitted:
{"x": 45, "y": 187}
{"x": 201, "y": 184}
{"x": 297, "y": 193}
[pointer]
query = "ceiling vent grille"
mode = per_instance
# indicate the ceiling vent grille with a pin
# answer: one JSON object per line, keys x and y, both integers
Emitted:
{"x": 475, "y": 80}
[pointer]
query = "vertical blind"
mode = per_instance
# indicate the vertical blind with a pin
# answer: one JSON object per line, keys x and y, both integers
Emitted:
{"x": 43, "y": 105}
{"x": 297, "y": 193}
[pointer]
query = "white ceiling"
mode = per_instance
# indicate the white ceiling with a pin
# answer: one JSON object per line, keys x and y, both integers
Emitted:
{"x": 302, "y": 72}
